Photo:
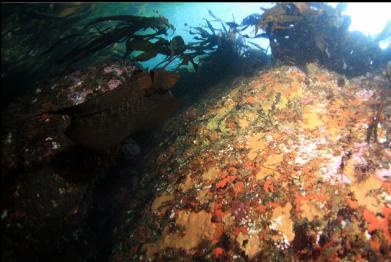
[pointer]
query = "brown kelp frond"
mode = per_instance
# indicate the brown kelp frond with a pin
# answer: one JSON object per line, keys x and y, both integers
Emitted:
{"x": 305, "y": 32}
{"x": 220, "y": 43}
{"x": 103, "y": 32}
{"x": 158, "y": 23}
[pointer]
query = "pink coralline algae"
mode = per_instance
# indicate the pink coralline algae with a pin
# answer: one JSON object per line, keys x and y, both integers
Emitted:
{"x": 240, "y": 210}
{"x": 119, "y": 69}
{"x": 74, "y": 78}
{"x": 360, "y": 149}
{"x": 365, "y": 94}
{"x": 112, "y": 68}
{"x": 113, "y": 83}
{"x": 308, "y": 99}
{"x": 78, "y": 97}
{"x": 384, "y": 174}
{"x": 331, "y": 171}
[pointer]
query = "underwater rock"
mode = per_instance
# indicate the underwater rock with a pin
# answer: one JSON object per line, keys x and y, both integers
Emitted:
{"x": 162, "y": 81}
{"x": 48, "y": 182}
{"x": 280, "y": 180}
{"x": 48, "y": 201}
{"x": 130, "y": 149}
{"x": 101, "y": 117}
{"x": 105, "y": 121}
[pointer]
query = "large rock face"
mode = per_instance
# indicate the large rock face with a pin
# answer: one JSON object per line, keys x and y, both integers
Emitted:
{"x": 50, "y": 196}
{"x": 285, "y": 165}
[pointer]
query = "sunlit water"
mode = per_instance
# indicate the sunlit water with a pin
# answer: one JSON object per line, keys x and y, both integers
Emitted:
{"x": 368, "y": 18}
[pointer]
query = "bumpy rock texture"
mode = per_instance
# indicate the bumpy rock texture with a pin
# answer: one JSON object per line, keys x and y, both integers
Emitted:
{"x": 52, "y": 202}
{"x": 289, "y": 164}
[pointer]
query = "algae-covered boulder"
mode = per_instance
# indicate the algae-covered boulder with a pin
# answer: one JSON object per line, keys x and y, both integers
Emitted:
{"x": 288, "y": 164}
{"x": 48, "y": 182}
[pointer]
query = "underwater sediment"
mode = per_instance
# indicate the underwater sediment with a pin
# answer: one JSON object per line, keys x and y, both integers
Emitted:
{"x": 290, "y": 164}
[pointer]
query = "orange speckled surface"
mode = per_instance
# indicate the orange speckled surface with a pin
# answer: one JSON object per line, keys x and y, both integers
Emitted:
{"x": 278, "y": 168}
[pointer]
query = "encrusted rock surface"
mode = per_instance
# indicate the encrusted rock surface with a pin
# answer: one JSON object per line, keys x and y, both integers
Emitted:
{"x": 277, "y": 167}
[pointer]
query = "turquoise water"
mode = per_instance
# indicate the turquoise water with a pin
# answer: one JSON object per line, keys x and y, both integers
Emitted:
{"x": 184, "y": 15}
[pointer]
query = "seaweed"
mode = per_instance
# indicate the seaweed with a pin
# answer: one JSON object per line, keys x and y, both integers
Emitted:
{"x": 307, "y": 32}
